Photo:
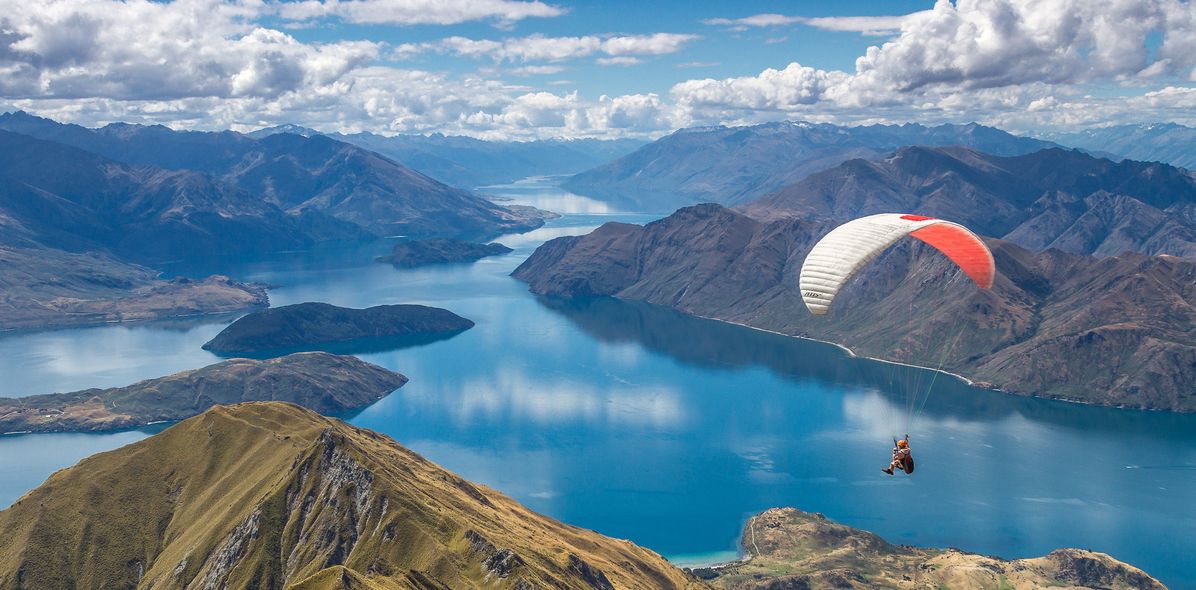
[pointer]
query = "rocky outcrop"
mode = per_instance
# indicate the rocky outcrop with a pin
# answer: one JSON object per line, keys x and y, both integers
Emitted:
{"x": 42, "y": 288}
{"x": 439, "y": 251}
{"x": 306, "y": 326}
{"x": 318, "y": 381}
{"x": 271, "y": 496}
{"x": 790, "y": 549}
{"x": 1117, "y": 331}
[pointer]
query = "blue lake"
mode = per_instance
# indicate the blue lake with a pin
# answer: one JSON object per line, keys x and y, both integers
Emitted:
{"x": 645, "y": 424}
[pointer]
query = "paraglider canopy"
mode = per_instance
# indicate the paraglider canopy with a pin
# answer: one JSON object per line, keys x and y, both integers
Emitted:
{"x": 847, "y": 248}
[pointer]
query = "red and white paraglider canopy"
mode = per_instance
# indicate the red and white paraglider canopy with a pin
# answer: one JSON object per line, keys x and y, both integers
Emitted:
{"x": 847, "y": 248}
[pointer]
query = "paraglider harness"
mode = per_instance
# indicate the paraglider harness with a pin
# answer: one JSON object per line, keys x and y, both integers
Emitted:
{"x": 902, "y": 457}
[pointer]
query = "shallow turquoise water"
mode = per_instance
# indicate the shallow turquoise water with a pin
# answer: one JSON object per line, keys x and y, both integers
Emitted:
{"x": 668, "y": 430}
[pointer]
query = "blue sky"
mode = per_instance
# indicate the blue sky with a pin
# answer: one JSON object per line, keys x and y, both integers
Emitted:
{"x": 719, "y": 52}
{"x": 521, "y": 69}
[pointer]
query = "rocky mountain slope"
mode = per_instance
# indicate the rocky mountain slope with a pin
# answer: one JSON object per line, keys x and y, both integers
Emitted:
{"x": 269, "y": 495}
{"x": 313, "y": 324}
{"x": 1159, "y": 142}
{"x": 439, "y": 251}
{"x": 1048, "y": 199}
{"x": 40, "y": 288}
{"x": 322, "y": 382}
{"x": 734, "y": 165}
{"x": 63, "y": 197}
{"x": 467, "y": 162}
{"x": 1117, "y": 331}
{"x": 787, "y": 548}
{"x": 296, "y": 174}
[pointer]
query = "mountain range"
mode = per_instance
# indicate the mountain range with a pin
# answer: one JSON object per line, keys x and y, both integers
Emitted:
{"x": 1169, "y": 143}
{"x": 469, "y": 163}
{"x": 293, "y": 173}
{"x": 62, "y": 197}
{"x": 1054, "y": 198}
{"x": 1118, "y": 330}
{"x": 734, "y": 165}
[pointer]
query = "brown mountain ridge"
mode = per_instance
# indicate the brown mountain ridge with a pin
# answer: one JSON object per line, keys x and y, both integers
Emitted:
{"x": 1053, "y": 198}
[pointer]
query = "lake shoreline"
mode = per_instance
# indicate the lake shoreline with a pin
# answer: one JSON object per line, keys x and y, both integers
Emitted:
{"x": 977, "y": 384}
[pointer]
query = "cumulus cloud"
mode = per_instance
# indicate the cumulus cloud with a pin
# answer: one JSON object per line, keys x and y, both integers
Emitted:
{"x": 416, "y": 12}
{"x": 146, "y": 50}
{"x": 772, "y": 89}
{"x": 967, "y": 56}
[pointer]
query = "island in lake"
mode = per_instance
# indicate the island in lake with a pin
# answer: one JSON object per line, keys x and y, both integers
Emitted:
{"x": 439, "y": 251}
{"x": 323, "y": 382}
{"x": 336, "y": 329}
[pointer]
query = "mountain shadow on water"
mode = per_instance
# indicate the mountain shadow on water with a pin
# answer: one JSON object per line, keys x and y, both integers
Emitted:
{"x": 351, "y": 347}
{"x": 715, "y": 344}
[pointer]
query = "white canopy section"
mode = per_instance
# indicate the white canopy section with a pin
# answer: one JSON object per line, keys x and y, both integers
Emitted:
{"x": 847, "y": 248}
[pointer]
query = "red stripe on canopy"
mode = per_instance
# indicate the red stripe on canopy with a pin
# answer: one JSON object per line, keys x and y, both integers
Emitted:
{"x": 963, "y": 248}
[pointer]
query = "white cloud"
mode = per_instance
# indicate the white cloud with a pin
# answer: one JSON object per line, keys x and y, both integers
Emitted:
{"x": 1022, "y": 64}
{"x": 654, "y": 44}
{"x": 415, "y": 12}
{"x": 977, "y": 57}
{"x": 617, "y": 61}
{"x": 145, "y": 50}
{"x": 539, "y": 47}
{"x": 756, "y": 20}
{"x": 635, "y": 112}
{"x": 867, "y": 25}
{"x": 537, "y": 70}
{"x": 772, "y": 89}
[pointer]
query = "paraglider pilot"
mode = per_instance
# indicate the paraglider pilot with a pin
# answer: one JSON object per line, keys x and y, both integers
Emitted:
{"x": 902, "y": 459}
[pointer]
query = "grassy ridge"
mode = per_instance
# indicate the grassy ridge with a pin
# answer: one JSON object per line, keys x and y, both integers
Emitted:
{"x": 263, "y": 495}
